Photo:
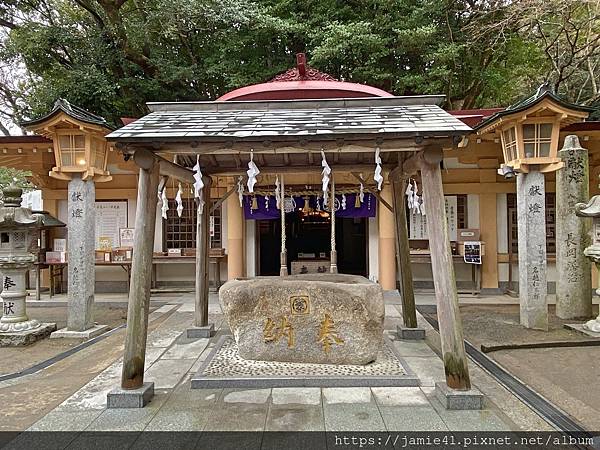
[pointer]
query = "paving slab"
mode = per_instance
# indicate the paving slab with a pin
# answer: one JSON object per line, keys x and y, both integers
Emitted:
{"x": 128, "y": 419}
{"x": 300, "y": 396}
{"x": 429, "y": 370}
{"x": 230, "y": 441}
{"x": 399, "y": 396}
{"x": 185, "y": 399}
{"x": 237, "y": 417}
{"x": 194, "y": 419}
{"x": 163, "y": 337}
{"x": 413, "y": 348}
{"x": 254, "y": 396}
{"x": 294, "y": 441}
{"x": 347, "y": 395}
{"x": 186, "y": 349}
{"x": 167, "y": 373}
{"x": 102, "y": 440}
{"x": 176, "y": 440}
{"x": 295, "y": 418}
{"x": 48, "y": 440}
{"x": 412, "y": 418}
{"x": 353, "y": 417}
{"x": 66, "y": 420}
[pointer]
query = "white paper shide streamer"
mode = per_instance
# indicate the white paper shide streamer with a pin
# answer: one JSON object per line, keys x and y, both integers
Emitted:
{"x": 344, "y": 201}
{"x": 326, "y": 177}
{"x": 378, "y": 177}
{"x": 414, "y": 201}
{"x": 179, "y": 201}
{"x": 277, "y": 194}
{"x": 165, "y": 203}
{"x": 198, "y": 185}
{"x": 252, "y": 172}
{"x": 240, "y": 191}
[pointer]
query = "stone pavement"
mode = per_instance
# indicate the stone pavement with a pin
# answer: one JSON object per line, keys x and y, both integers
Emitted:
{"x": 172, "y": 359}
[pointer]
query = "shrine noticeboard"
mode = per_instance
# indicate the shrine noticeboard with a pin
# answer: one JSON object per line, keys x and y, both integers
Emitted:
{"x": 418, "y": 222}
{"x": 111, "y": 216}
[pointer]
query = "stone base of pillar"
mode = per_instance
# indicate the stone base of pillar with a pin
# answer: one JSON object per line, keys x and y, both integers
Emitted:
{"x": 588, "y": 328}
{"x": 90, "y": 333}
{"x": 201, "y": 332}
{"x": 458, "y": 400}
{"x": 130, "y": 398}
{"x": 26, "y": 337}
{"x": 410, "y": 334}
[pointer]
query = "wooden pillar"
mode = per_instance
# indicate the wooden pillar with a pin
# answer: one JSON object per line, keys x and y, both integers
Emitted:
{"x": 235, "y": 238}
{"x": 451, "y": 335}
{"x": 409, "y": 313}
{"x": 141, "y": 273}
{"x": 202, "y": 263}
{"x": 489, "y": 234}
{"x": 387, "y": 245}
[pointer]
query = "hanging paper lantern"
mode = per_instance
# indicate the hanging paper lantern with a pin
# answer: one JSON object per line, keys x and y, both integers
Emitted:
{"x": 252, "y": 172}
{"x": 378, "y": 177}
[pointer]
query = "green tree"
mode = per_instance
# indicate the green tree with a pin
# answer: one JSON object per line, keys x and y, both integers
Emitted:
{"x": 113, "y": 56}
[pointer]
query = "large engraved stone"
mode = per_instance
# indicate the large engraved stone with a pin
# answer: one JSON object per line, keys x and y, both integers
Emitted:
{"x": 316, "y": 318}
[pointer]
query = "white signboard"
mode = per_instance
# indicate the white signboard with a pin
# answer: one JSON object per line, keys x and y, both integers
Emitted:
{"x": 110, "y": 218}
{"x": 418, "y": 222}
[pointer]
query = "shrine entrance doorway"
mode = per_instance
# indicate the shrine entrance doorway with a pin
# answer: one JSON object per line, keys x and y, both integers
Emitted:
{"x": 308, "y": 244}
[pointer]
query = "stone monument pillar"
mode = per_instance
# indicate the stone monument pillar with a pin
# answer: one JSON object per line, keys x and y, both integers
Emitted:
{"x": 574, "y": 275}
{"x": 81, "y": 247}
{"x": 18, "y": 227}
{"x": 531, "y": 219}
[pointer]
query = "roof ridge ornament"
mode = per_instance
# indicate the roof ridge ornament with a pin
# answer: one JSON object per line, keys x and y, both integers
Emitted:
{"x": 302, "y": 72}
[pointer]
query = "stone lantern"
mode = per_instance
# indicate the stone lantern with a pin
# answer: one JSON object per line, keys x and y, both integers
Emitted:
{"x": 592, "y": 209}
{"x": 529, "y": 132}
{"x": 18, "y": 233}
{"x": 80, "y": 154}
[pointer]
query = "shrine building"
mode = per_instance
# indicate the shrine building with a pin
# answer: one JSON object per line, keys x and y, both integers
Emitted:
{"x": 246, "y": 227}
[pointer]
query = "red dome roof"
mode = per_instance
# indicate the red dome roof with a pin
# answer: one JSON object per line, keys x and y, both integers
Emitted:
{"x": 303, "y": 83}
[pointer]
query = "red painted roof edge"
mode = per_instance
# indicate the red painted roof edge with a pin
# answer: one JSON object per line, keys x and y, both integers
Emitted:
{"x": 128, "y": 120}
{"x": 306, "y": 85}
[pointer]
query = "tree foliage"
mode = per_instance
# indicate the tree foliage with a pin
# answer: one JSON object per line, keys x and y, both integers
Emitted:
{"x": 112, "y": 56}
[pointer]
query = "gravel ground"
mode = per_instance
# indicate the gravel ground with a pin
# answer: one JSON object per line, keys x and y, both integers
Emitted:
{"x": 568, "y": 377}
